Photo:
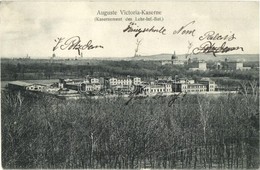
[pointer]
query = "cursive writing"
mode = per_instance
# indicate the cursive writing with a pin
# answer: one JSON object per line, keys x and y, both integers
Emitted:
{"x": 175, "y": 97}
{"x": 132, "y": 27}
{"x": 209, "y": 47}
{"x": 212, "y": 35}
{"x": 184, "y": 31}
{"x": 136, "y": 92}
{"x": 73, "y": 43}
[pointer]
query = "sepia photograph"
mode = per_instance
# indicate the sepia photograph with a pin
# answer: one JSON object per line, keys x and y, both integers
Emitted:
{"x": 129, "y": 85}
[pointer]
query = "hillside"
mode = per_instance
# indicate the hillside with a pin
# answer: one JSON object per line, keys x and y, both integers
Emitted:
{"x": 206, "y": 57}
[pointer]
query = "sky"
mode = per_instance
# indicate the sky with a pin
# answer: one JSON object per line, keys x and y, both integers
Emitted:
{"x": 31, "y": 27}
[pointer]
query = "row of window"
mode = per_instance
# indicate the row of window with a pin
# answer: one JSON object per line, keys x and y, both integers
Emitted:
{"x": 36, "y": 88}
{"x": 194, "y": 90}
{"x": 159, "y": 90}
{"x": 95, "y": 81}
{"x": 196, "y": 87}
{"x": 120, "y": 80}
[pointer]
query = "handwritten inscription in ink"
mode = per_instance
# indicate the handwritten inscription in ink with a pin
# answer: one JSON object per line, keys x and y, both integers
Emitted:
{"x": 184, "y": 30}
{"x": 209, "y": 47}
{"x": 74, "y": 43}
{"x": 133, "y": 27}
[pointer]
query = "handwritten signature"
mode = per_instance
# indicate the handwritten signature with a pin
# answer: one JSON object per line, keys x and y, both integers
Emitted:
{"x": 183, "y": 31}
{"x": 175, "y": 97}
{"x": 140, "y": 89}
{"x": 209, "y": 47}
{"x": 212, "y": 35}
{"x": 136, "y": 92}
{"x": 132, "y": 27}
{"x": 73, "y": 43}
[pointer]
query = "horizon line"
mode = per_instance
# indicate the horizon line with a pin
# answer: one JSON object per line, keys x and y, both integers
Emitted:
{"x": 79, "y": 57}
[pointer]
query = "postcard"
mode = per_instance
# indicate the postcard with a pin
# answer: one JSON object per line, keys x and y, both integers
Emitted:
{"x": 129, "y": 85}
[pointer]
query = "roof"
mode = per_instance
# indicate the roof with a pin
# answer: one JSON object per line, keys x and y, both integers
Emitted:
{"x": 184, "y": 79}
{"x": 74, "y": 80}
{"x": 73, "y": 84}
{"x": 197, "y": 84}
{"x": 235, "y": 62}
{"x": 20, "y": 83}
{"x": 205, "y": 79}
{"x": 39, "y": 84}
{"x": 157, "y": 86}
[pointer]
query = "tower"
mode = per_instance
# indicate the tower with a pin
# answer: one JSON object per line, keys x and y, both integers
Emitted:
{"x": 174, "y": 57}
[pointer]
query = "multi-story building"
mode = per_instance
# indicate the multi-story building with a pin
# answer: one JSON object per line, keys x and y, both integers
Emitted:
{"x": 157, "y": 88}
{"x": 179, "y": 86}
{"x": 198, "y": 65}
{"x": 122, "y": 85}
{"x": 234, "y": 65}
{"x": 90, "y": 87}
{"x": 82, "y": 85}
{"x": 174, "y": 60}
{"x": 94, "y": 80}
{"x": 124, "y": 82}
{"x": 196, "y": 87}
{"x": 210, "y": 85}
{"x": 185, "y": 87}
{"x": 120, "y": 82}
{"x": 136, "y": 80}
{"x": 189, "y": 85}
{"x": 112, "y": 81}
{"x": 167, "y": 87}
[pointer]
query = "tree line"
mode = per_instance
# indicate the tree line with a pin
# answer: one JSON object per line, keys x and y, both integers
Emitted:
{"x": 145, "y": 69}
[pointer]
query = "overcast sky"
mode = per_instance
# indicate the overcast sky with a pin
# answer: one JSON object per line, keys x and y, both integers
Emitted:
{"x": 30, "y": 28}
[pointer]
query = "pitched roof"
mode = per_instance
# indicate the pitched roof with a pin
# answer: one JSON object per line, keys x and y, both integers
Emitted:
{"x": 20, "y": 83}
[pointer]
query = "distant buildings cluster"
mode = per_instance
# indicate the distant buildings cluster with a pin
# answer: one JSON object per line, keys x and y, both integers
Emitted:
{"x": 193, "y": 65}
{"x": 174, "y": 61}
{"x": 200, "y": 65}
{"x": 119, "y": 85}
{"x": 230, "y": 65}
